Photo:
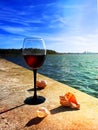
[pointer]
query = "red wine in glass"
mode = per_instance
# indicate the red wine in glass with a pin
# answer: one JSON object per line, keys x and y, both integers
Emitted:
{"x": 34, "y": 53}
{"x": 34, "y": 61}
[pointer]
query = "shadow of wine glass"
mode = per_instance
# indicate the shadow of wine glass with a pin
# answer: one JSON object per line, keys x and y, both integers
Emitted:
{"x": 34, "y": 121}
{"x": 10, "y": 109}
{"x": 61, "y": 109}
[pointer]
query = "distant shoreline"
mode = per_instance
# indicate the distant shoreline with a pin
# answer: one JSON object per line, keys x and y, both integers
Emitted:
{"x": 18, "y": 52}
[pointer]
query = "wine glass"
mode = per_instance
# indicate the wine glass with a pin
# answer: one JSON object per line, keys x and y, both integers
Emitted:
{"x": 34, "y": 53}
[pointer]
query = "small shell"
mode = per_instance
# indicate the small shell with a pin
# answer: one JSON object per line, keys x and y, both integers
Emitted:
{"x": 64, "y": 102}
{"x": 71, "y": 97}
{"x": 75, "y": 106}
{"x": 38, "y": 83}
{"x": 69, "y": 100}
{"x": 42, "y": 112}
{"x": 41, "y": 84}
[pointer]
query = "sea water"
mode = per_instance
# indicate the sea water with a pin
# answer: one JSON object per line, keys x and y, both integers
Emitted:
{"x": 79, "y": 71}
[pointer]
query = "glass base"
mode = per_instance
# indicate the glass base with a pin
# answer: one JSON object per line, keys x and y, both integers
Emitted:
{"x": 34, "y": 101}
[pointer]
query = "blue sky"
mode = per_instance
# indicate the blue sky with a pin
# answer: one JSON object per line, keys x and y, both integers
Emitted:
{"x": 66, "y": 25}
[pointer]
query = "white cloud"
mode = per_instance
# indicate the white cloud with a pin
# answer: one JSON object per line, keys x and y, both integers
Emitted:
{"x": 13, "y": 29}
{"x": 73, "y": 43}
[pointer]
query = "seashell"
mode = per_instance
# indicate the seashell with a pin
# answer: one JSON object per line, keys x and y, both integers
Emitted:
{"x": 71, "y": 97}
{"x": 41, "y": 84}
{"x": 75, "y": 106}
{"x": 38, "y": 83}
{"x": 42, "y": 112}
{"x": 69, "y": 100}
{"x": 64, "y": 102}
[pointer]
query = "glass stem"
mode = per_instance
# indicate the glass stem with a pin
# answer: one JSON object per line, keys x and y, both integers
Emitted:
{"x": 35, "y": 92}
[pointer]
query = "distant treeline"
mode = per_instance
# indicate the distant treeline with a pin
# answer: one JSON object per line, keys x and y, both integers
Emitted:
{"x": 16, "y": 52}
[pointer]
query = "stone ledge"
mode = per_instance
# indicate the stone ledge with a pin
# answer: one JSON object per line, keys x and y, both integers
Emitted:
{"x": 16, "y": 85}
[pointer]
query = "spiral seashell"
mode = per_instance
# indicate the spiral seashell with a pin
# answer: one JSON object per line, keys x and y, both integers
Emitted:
{"x": 64, "y": 102}
{"x": 69, "y": 100}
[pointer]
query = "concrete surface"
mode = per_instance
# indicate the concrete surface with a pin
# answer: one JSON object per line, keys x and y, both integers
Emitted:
{"x": 16, "y": 85}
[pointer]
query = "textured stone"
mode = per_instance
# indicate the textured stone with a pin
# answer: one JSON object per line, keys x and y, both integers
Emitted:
{"x": 16, "y": 85}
